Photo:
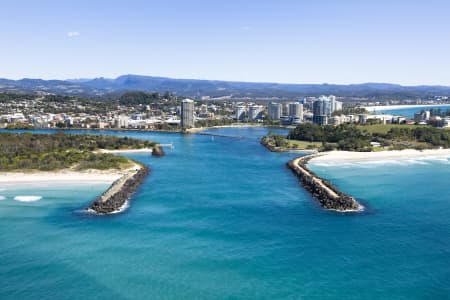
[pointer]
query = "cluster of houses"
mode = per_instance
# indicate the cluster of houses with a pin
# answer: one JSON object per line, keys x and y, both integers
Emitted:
{"x": 324, "y": 110}
{"x": 33, "y": 113}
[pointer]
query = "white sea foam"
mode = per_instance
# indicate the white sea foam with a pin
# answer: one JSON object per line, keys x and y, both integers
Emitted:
{"x": 27, "y": 198}
{"x": 124, "y": 207}
{"x": 89, "y": 211}
{"x": 359, "y": 209}
{"x": 2, "y": 198}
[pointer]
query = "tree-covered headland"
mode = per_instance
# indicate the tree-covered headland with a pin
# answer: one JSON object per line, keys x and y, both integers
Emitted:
{"x": 46, "y": 152}
{"x": 350, "y": 137}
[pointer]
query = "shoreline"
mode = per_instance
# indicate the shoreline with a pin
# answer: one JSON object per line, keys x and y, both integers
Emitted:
{"x": 97, "y": 129}
{"x": 198, "y": 129}
{"x": 245, "y": 125}
{"x": 177, "y": 131}
{"x": 391, "y": 107}
{"x": 349, "y": 156}
{"x": 61, "y": 176}
{"x": 116, "y": 199}
{"x": 143, "y": 150}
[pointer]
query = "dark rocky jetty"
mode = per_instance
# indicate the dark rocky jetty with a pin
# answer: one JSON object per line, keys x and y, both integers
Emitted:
{"x": 327, "y": 194}
{"x": 158, "y": 151}
{"x": 119, "y": 192}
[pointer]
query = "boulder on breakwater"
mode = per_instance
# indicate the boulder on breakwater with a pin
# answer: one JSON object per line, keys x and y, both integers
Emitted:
{"x": 158, "y": 151}
{"x": 119, "y": 192}
{"x": 328, "y": 196}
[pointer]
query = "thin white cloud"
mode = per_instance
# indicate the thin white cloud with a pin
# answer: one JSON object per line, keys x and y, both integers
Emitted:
{"x": 73, "y": 34}
{"x": 246, "y": 28}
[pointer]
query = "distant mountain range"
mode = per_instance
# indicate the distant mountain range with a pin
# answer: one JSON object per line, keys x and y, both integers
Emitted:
{"x": 103, "y": 87}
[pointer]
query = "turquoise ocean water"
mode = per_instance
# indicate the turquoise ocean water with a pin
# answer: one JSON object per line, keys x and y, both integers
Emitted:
{"x": 409, "y": 112}
{"x": 223, "y": 218}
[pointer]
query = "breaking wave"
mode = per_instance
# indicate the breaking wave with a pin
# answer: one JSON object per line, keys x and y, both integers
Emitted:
{"x": 27, "y": 198}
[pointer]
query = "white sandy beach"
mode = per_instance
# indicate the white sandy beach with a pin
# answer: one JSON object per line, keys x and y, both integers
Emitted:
{"x": 389, "y": 107}
{"x": 60, "y": 177}
{"x": 65, "y": 176}
{"x": 143, "y": 150}
{"x": 346, "y": 156}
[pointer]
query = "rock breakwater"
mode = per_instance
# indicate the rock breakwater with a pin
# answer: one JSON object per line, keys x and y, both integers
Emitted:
{"x": 158, "y": 151}
{"x": 113, "y": 199}
{"x": 328, "y": 196}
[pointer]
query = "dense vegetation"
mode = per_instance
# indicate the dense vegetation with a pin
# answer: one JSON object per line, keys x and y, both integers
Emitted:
{"x": 19, "y": 126}
{"x": 26, "y": 151}
{"x": 213, "y": 122}
{"x": 350, "y": 111}
{"x": 276, "y": 140}
{"x": 7, "y": 97}
{"x": 353, "y": 138}
{"x": 136, "y": 98}
{"x": 422, "y": 137}
{"x": 342, "y": 137}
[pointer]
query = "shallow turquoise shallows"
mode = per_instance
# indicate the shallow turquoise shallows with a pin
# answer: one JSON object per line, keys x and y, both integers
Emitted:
{"x": 410, "y": 111}
{"x": 223, "y": 218}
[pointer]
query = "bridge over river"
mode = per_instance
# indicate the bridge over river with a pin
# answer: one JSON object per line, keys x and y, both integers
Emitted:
{"x": 222, "y": 135}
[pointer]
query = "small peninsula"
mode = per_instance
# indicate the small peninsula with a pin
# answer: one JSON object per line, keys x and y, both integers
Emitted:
{"x": 359, "y": 138}
{"x": 61, "y": 157}
{"x": 345, "y": 142}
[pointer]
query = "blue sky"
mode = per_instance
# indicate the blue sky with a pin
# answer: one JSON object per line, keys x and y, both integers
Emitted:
{"x": 345, "y": 41}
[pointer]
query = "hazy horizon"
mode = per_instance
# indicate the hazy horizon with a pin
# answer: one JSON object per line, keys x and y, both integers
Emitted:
{"x": 180, "y": 78}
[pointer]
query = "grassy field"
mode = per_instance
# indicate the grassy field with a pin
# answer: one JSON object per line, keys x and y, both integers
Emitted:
{"x": 380, "y": 128}
{"x": 302, "y": 145}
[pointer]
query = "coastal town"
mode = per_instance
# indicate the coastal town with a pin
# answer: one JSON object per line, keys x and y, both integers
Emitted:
{"x": 316, "y": 124}
{"x": 170, "y": 113}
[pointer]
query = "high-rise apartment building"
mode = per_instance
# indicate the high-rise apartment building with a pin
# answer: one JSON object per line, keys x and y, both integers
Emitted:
{"x": 321, "y": 111}
{"x": 323, "y": 108}
{"x": 255, "y": 112}
{"x": 296, "y": 110}
{"x": 187, "y": 113}
{"x": 240, "y": 112}
{"x": 274, "y": 110}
